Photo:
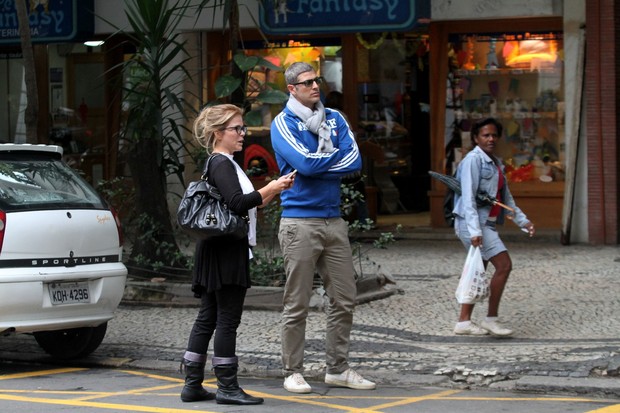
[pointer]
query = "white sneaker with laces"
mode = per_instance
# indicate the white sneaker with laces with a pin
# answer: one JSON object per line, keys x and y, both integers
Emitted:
{"x": 469, "y": 330}
{"x": 295, "y": 383}
{"x": 351, "y": 379}
{"x": 496, "y": 328}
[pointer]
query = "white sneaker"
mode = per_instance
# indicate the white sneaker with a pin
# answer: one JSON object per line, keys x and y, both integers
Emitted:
{"x": 470, "y": 330}
{"x": 495, "y": 328}
{"x": 351, "y": 379}
{"x": 295, "y": 383}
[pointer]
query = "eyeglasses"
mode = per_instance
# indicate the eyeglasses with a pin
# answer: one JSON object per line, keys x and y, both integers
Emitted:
{"x": 239, "y": 129}
{"x": 310, "y": 82}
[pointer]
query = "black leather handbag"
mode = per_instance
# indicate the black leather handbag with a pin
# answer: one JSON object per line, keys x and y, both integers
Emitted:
{"x": 204, "y": 215}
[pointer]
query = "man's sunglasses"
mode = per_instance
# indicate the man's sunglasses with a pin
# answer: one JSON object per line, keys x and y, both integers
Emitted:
{"x": 310, "y": 82}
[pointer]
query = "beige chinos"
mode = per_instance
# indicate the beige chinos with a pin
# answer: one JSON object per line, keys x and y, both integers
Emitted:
{"x": 322, "y": 244}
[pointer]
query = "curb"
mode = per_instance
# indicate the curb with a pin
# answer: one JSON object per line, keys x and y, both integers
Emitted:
{"x": 609, "y": 387}
{"x": 166, "y": 294}
{"x": 508, "y": 233}
{"x": 592, "y": 387}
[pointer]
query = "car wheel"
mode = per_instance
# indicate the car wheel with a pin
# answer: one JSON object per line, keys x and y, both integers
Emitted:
{"x": 72, "y": 343}
{"x": 98, "y": 333}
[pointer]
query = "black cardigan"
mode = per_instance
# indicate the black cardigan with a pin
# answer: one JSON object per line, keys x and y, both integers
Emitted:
{"x": 221, "y": 262}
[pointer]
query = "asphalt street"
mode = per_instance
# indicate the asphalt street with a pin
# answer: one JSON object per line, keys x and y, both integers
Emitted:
{"x": 562, "y": 301}
{"x": 41, "y": 388}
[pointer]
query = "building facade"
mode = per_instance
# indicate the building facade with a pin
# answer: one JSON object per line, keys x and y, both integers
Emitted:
{"x": 411, "y": 89}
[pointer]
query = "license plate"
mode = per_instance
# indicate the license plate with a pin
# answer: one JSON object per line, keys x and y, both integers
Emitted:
{"x": 69, "y": 293}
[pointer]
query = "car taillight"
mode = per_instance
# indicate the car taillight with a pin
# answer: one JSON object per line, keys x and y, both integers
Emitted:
{"x": 2, "y": 227}
{"x": 118, "y": 226}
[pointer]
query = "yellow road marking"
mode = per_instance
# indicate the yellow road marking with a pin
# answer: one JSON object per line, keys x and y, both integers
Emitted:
{"x": 155, "y": 376}
{"x": 531, "y": 399}
{"x": 608, "y": 409}
{"x": 209, "y": 382}
{"x": 315, "y": 400}
{"x": 145, "y": 390}
{"x": 409, "y": 400}
{"x": 65, "y": 392}
{"x": 40, "y": 373}
{"x": 111, "y": 406}
{"x": 300, "y": 399}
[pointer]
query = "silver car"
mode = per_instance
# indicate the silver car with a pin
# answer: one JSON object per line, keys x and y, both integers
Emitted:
{"x": 61, "y": 270}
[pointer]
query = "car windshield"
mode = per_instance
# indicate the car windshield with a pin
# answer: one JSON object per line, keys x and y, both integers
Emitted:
{"x": 30, "y": 181}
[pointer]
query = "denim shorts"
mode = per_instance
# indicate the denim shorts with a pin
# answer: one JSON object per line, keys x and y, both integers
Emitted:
{"x": 491, "y": 243}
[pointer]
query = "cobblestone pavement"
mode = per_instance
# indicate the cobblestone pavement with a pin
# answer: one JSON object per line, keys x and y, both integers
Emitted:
{"x": 562, "y": 301}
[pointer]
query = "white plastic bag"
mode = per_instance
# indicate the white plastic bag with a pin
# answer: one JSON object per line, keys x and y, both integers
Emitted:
{"x": 473, "y": 285}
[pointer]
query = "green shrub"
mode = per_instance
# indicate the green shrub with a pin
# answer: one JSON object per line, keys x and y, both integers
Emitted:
{"x": 267, "y": 267}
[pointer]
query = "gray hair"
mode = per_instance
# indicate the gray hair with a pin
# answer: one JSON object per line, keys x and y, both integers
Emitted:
{"x": 292, "y": 73}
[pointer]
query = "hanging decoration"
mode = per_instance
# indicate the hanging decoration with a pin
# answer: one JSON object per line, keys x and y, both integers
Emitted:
{"x": 409, "y": 48}
{"x": 371, "y": 46}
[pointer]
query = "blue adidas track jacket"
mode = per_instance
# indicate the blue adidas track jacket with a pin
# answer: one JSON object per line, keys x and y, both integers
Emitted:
{"x": 316, "y": 193}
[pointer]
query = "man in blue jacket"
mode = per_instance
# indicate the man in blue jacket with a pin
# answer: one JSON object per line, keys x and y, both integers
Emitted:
{"x": 315, "y": 143}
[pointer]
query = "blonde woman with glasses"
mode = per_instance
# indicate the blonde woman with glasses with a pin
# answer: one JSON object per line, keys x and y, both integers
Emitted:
{"x": 221, "y": 269}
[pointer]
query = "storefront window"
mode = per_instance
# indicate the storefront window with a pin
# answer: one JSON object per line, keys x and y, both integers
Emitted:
{"x": 323, "y": 54}
{"x": 383, "y": 83}
{"x": 391, "y": 111}
{"x": 392, "y": 75}
{"x": 13, "y": 106}
{"x": 518, "y": 79}
{"x": 77, "y": 108}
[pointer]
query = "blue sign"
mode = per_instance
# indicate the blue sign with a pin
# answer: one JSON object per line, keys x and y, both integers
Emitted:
{"x": 50, "y": 20}
{"x": 287, "y": 17}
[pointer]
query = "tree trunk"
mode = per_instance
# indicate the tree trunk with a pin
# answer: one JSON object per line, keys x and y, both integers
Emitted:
{"x": 238, "y": 96}
{"x": 32, "y": 94}
{"x": 150, "y": 184}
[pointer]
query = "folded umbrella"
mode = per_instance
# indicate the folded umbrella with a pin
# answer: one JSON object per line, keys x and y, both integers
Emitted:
{"x": 450, "y": 181}
{"x": 455, "y": 185}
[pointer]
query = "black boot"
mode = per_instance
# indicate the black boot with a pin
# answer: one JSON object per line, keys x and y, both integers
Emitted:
{"x": 228, "y": 390}
{"x": 194, "y": 375}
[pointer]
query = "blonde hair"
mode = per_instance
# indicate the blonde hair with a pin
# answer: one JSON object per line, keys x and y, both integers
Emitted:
{"x": 212, "y": 119}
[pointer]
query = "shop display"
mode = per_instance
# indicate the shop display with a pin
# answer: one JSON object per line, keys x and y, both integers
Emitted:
{"x": 518, "y": 79}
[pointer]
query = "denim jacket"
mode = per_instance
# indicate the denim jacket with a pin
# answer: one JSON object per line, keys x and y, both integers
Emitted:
{"x": 478, "y": 173}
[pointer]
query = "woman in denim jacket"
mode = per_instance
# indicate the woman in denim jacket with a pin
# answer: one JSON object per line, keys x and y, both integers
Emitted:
{"x": 481, "y": 172}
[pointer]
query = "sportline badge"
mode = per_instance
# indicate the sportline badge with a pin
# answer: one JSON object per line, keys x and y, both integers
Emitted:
{"x": 59, "y": 262}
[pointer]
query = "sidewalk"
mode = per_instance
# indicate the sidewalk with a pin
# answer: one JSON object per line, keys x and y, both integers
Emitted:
{"x": 562, "y": 301}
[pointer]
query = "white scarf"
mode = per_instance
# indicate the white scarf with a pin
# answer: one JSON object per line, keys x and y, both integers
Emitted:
{"x": 246, "y": 187}
{"x": 315, "y": 122}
